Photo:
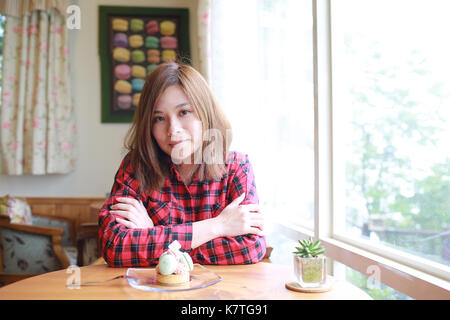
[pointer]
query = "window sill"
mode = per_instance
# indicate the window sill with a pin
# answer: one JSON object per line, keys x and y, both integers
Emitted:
{"x": 411, "y": 281}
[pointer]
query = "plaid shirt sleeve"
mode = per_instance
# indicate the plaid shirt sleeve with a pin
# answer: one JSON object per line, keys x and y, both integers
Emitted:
{"x": 123, "y": 247}
{"x": 244, "y": 249}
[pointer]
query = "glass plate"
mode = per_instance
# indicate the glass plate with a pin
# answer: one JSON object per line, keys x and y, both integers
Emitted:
{"x": 145, "y": 279}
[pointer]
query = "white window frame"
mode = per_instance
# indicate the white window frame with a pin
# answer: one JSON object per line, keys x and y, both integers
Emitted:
{"x": 414, "y": 276}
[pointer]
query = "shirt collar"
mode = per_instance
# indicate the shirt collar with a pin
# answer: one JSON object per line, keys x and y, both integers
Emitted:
{"x": 174, "y": 173}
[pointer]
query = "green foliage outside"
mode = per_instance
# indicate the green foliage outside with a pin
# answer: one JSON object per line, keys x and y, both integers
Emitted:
{"x": 397, "y": 120}
{"x": 389, "y": 120}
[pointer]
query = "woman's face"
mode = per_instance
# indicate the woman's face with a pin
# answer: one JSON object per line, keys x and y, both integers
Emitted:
{"x": 176, "y": 127}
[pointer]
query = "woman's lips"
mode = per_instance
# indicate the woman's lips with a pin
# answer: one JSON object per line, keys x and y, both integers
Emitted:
{"x": 172, "y": 144}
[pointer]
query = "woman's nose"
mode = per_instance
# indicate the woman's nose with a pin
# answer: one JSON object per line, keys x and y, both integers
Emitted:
{"x": 174, "y": 127}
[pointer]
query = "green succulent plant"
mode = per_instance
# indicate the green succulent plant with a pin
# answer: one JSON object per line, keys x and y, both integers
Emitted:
{"x": 309, "y": 249}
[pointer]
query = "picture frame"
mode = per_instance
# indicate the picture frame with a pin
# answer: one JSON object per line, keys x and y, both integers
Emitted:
{"x": 132, "y": 42}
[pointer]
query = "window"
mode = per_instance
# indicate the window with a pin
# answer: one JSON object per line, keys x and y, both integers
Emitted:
{"x": 262, "y": 75}
{"x": 391, "y": 125}
{"x": 375, "y": 289}
{"x": 353, "y": 97}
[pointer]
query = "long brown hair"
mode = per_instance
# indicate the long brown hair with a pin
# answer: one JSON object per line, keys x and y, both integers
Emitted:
{"x": 149, "y": 161}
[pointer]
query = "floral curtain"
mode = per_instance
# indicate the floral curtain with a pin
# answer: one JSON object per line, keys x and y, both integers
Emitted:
{"x": 204, "y": 37}
{"x": 37, "y": 119}
{"x": 20, "y": 8}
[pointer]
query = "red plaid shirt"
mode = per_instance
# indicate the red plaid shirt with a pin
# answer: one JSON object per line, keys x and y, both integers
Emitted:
{"x": 173, "y": 209}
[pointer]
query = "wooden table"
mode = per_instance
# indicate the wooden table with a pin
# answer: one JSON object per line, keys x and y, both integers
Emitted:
{"x": 261, "y": 281}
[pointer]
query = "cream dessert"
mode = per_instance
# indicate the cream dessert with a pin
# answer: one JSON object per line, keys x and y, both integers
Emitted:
{"x": 174, "y": 266}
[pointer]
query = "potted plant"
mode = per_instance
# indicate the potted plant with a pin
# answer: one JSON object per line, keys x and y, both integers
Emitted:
{"x": 310, "y": 264}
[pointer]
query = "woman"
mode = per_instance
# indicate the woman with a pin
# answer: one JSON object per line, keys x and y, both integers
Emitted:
{"x": 179, "y": 182}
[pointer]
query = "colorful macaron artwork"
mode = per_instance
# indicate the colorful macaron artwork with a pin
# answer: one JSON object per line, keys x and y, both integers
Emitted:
{"x": 137, "y": 84}
{"x": 138, "y": 71}
{"x": 122, "y": 71}
{"x": 124, "y": 101}
{"x": 121, "y": 40}
{"x": 136, "y": 41}
{"x": 138, "y": 45}
{"x": 169, "y": 42}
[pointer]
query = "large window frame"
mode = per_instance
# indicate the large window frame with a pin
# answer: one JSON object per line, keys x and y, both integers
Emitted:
{"x": 414, "y": 276}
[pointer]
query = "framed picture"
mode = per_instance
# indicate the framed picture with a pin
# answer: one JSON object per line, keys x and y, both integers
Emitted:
{"x": 133, "y": 41}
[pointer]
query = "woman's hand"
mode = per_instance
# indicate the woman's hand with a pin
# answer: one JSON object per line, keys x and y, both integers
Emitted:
{"x": 237, "y": 219}
{"x": 134, "y": 212}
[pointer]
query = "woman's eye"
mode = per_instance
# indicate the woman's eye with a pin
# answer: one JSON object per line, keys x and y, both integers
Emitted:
{"x": 157, "y": 119}
{"x": 184, "y": 112}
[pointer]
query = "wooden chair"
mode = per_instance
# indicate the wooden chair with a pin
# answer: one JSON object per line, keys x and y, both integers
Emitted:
{"x": 84, "y": 213}
{"x": 87, "y": 237}
{"x": 59, "y": 227}
{"x": 29, "y": 250}
{"x": 88, "y": 247}
{"x": 267, "y": 255}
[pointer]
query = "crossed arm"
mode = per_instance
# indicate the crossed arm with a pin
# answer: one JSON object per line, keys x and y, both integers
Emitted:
{"x": 129, "y": 237}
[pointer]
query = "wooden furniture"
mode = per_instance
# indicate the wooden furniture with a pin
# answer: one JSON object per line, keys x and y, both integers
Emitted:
{"x": 88, "y": 231}
{"x": 54, "y": 233}
{"x": 78, "y": 209}
{"x": 76, "y": 212}
{"x": 255, "y": 282}
{"x": 267, "y": 255}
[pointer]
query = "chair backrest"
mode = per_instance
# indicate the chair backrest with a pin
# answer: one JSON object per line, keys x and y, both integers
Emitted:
{"x": 25, "y": 252}
{"x": 66, "y": 240}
